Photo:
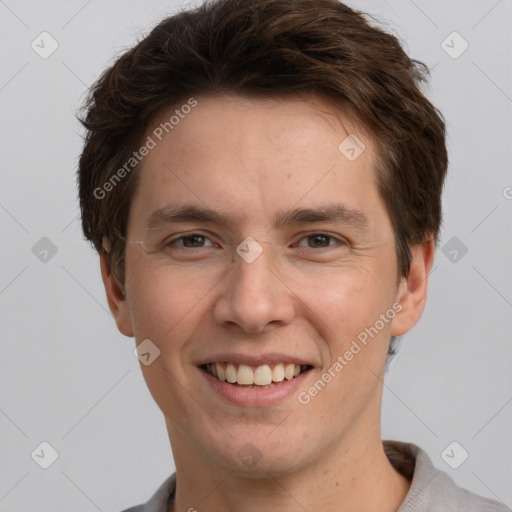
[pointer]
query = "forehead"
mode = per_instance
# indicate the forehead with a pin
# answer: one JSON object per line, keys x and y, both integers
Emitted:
{"x": 300, "y": 124}
{"x": 256, "y": 156}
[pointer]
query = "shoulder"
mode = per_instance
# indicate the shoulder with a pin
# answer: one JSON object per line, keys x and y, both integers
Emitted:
{"x": 160, "y": 500}
{"x": 433, "y": 490}
{"x": 448, "y": 496}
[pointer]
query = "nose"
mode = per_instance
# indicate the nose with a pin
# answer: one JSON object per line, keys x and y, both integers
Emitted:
{"x": 254, "y": 295}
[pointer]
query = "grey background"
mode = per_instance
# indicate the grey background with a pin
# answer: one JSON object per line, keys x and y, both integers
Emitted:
{"x": 69, "y": 378}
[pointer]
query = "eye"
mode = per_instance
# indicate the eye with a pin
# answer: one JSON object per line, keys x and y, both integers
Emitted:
{"x": 199, "y": 241}
{"x": 190, "y": 241}
{"x": 320, "y": 241}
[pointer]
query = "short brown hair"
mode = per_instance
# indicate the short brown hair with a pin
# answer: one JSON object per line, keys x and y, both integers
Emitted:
{"x": 266, "y": 48}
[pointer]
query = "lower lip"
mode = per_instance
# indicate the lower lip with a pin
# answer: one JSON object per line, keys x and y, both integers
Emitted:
{"x": 255, "y": 397}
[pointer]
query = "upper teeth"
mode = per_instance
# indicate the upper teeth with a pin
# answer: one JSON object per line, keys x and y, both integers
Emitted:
{"x": 259, "y": 375}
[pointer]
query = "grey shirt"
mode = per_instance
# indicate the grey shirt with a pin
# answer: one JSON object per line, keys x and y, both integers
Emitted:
{"x": 431, "y": 490}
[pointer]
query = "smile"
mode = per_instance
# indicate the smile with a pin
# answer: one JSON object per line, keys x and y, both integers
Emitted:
{"x": 263, "y": 376}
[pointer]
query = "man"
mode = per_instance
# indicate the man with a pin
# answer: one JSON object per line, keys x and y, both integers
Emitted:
{"x": 262, "y": 181}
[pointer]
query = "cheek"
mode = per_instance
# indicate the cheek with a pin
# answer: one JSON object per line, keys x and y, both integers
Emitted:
{"x": 343, "y": 308}
{"x": 343, "y": 301}
{"x": 164, "y": 301}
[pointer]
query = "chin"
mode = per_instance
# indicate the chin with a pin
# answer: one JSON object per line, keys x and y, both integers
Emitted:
{"x": 259, "y": 456}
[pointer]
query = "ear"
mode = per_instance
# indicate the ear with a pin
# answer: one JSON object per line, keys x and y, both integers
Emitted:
{"x": 116, "y": 298}
{"x": 412, "y": 292}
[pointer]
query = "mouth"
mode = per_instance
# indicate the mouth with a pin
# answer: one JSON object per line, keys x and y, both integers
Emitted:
{"x": 262, "y": 377}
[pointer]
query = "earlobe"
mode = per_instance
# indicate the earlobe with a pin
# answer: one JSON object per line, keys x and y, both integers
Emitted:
{"x": 412, "y": 292}
{"x": 116, "y": 299}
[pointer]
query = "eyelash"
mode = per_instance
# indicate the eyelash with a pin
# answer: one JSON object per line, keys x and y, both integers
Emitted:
{"x": 314, "y": 233}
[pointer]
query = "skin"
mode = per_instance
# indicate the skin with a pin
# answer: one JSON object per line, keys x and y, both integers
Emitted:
{"x": 248, "y": 159}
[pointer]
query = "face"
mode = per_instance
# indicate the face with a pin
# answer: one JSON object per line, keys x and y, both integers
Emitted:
{"x": 317, "y": 274}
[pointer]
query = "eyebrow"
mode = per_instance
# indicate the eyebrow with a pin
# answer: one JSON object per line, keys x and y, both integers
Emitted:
{"x": 336, "y": 212}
